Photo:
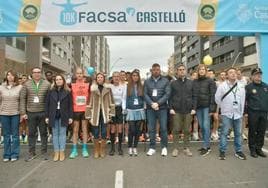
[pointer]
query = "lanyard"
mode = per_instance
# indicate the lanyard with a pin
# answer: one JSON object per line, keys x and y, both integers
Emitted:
{"x": 35, "y": 87}
{"x": 234, "y": 91}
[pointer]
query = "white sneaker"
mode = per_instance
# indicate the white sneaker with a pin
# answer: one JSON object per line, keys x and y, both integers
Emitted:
{"x": 175, "y": 152}
{"x": 25, "y": 139}
{"x": 14, "y": 159}
{"x": 49, "y": 138}
{"x": 195, "y": 136}
{"x": 135, "y": 152}
{"x": 244, "y": 137}
{"x": 151, "y": 152}
{"x": 130, "y": 151}
{"x": 214, "y": 136}
{"x": 164, "y": 152}
{"x": 5, "y": 160}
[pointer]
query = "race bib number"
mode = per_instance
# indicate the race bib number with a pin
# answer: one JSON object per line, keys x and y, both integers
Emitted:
{"x": 154, "y": 94}
{"x": 81, "y": 100}
{"x": 36, "y": 99}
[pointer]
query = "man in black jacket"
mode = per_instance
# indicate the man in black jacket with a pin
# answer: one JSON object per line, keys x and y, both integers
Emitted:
{"x": 181, "y": 106}
{"x": 257, "y": 109}
{"x": 156, "y": 93}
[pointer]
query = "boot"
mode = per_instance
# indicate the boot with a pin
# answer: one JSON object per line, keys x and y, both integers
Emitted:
{"x": 96, "y": 148}
{"x": 62, "y": 156}
{"x": 84, "y": 151}
{"x": 56, "y": 156}
{"x": 120, "y": 151}
{"x": 74, "y": 153}
{"x": 102, "y": 148}
{"x": 112, "y": 144}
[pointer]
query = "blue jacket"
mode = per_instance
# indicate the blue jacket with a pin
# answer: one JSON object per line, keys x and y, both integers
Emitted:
{"x": 162, "y": 87}
{"x": 130, "y": 101}
{"x": 66, "y": 107}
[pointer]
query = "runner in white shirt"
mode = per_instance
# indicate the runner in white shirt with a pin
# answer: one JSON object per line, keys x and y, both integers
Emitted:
{"x": 119, "y": 96}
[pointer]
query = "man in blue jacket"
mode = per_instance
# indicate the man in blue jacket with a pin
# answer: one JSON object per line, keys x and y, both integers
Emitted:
{"x": 156, "y": 93}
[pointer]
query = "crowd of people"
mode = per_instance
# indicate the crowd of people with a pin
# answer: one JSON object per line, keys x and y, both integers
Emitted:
{"x": 124, "y": 108}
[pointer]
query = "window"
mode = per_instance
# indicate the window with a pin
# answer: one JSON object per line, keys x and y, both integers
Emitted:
{"x": 251, "y": 49}
{"x": 9, "y": 41}
{"x": 20, "y": 43}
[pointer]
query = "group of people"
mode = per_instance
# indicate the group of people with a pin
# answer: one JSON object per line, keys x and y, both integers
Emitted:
{"x": 109, "y": 106}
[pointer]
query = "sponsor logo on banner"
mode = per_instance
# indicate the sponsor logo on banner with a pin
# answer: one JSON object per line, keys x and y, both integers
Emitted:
{"x": 207, "y": 12}
{"x": 244, "y": 13}
{"x": 261, "y": 13}
{"x": 30, "y": 12}
{"x": 69, "y": 16}
{"x": 1, "y": 17}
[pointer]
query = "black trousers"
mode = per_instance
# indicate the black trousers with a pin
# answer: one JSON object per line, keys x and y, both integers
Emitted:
{"x": 37, "y": 119}
{"x": 133, "y": 133}
{"x": 257, "y": 122}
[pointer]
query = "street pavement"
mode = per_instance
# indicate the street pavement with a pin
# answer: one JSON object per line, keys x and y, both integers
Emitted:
{"x": 138, "y": 172}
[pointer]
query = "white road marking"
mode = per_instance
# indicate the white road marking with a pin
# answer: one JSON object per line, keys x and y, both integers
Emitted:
{"x": 242, "y": 182}
{"x": 28, "y": 174}
{"x": 119, "y": 183}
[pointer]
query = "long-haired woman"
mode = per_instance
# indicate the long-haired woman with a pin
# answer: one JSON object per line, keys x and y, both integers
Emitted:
{"x": 59, "y": 114}
{"x": 100, "y": 110}
{"x": 135, "y": 111}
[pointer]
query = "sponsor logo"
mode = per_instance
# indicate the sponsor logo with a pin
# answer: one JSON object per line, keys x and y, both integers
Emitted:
{"x": 207, "y": 12}
{"x": 69, "y": 16}
{"x": 30, "y": 12}
{"x": 243, "y": 13}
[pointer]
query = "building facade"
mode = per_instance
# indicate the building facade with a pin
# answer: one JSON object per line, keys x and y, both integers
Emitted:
{"x": 226, "y": 51}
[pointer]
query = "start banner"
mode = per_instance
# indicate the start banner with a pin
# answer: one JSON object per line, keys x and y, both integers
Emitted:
{"x": 241, "y": 17}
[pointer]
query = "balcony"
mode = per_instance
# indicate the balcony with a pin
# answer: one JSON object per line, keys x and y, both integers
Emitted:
{"x": 46, "y": 55}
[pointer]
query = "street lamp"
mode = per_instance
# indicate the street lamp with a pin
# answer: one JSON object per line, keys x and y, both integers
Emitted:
{"x": 116, "y": 61}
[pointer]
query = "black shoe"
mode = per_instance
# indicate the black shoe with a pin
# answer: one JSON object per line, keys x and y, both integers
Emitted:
{"x": 45, "y": 156}
{"x": 253, "y": 154}
{"x": 261, "y": 153}
{"x": 111, "y": 153}
{"x": 30, "y": 156}
{"x": 240, "y": 155}
{"x": 120, "y": 151}
{"x": 222, "y": 155}
{"x": 204, "y": 151}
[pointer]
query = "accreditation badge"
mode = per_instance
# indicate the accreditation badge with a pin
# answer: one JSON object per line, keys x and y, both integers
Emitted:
{"x": 36, "y": 99}
{"x": 58, "y": 106}
{"x": 136, "y": 102}
{"x": 154, "y": 94}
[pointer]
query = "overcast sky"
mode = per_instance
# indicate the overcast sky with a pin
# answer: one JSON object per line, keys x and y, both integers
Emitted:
{"x": 130, "y": 52}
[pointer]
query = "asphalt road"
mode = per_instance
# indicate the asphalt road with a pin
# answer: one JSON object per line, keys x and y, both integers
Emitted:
{"x": 138, "y": 172}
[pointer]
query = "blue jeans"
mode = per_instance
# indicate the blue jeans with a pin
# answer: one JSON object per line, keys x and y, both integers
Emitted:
{"x": 227, "y": 123}
{"x": 99, "y": 132}
{"x": 10, "y": 127}
{"x": 59, "y": 136}
{"x": 152, "y": 115}
{"x": 203, "y": 118}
